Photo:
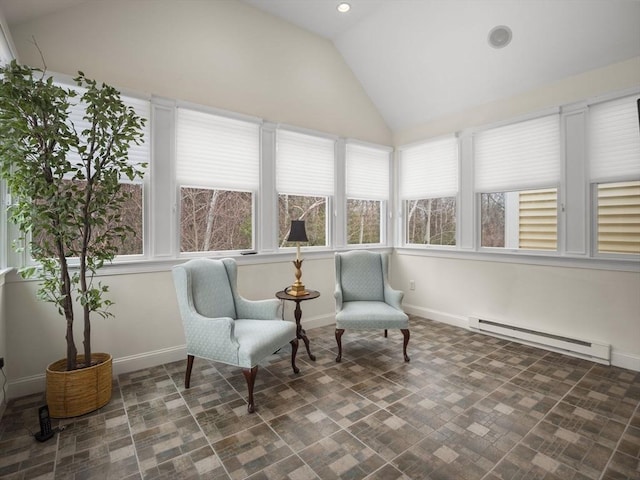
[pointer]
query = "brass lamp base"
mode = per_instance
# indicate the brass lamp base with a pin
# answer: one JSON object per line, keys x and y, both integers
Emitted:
{"x": 297, "y": 290}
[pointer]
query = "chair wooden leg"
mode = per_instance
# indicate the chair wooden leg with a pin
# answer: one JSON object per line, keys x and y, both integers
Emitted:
{"x": 294, "y": 350}
{"x": 385, "y": 333}
{"x": 405, "y": 332}
{"x": 187, "y": 375}
{"x": 250, "y": 377}
{"x": 339, "y": 332}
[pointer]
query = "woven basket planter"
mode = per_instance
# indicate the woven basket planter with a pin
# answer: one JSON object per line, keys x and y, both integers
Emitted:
{"x": 74, "y": 393}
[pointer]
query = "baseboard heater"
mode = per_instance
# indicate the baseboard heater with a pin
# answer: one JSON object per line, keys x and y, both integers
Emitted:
{"x": 597, "y": 352}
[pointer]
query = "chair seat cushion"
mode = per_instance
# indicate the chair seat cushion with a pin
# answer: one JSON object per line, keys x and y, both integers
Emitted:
{"x": 260, "y": 338}
{"x": 355, "y": 315}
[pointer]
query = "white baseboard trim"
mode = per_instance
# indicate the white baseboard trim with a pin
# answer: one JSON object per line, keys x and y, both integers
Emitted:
{"x": 132, "y": 363}
{"x": 25, "y": 386}
{"x": 436, "y": 315}
{"x": 36, "y": 383}
{"x": 618, "y": 359}
{"x": 625, "y": 360}
{"x": 318, "y": 321}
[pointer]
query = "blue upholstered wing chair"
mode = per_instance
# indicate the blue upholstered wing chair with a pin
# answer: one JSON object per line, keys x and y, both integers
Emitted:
{"x": 222, "y": 326}
{"x": 364, "y": 298}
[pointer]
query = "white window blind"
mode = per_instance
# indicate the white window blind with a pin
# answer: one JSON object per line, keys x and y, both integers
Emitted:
{"x": 216, "y": 152}
{"x": 429, "y": 170}
{"x": 367, "y": 172}
{"x": 137, "y": 154}
{"x": 614, "y": 140}
{"x": 520, "y": 156}
{"x": 304, "y": 164}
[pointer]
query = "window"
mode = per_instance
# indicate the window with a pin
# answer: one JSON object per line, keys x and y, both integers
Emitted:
{"x": 520, "y": 220}
{"x": 614, "y": 153}
{"x": 517, "y": 171}
{"x": 131, "y": 213}
{"x": 304, "y": 182}
{"x": 367, "y": 193}
{"x": 619, "y": 217}
{"x": 428, "y": 189}
{"x": 217, "y": 169}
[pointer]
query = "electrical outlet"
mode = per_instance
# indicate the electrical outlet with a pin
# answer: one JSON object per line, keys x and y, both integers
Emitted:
{"x": 1, "y": 363}
{"x": 412, "y": 285}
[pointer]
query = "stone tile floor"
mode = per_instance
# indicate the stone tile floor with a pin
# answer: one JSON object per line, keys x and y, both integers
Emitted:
{"x": 466, "y": 407}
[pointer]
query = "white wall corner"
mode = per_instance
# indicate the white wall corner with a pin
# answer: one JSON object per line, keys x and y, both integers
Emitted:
{"x": 36, "y": 383}
{"x": 442, "y": 317}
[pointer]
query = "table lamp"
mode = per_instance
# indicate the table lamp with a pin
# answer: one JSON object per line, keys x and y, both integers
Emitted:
{"x": 297, "y": 234}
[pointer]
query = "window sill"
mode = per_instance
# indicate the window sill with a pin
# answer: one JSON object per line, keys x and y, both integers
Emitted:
{"x": 140, "y": 265}
{"x": 622, "y": 265}
{"x": 3, "y": 274}
{"x": 136, "y": 265}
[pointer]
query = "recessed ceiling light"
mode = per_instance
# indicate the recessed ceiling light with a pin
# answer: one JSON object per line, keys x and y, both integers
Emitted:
{"x": 500, "y": 36}
{"x": 343, "y": 7}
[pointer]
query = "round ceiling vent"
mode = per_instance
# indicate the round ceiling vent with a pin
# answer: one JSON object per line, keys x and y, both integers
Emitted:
{"x": 500, "y": 36}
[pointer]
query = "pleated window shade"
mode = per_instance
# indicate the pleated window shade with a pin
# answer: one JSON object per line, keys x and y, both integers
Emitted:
{"x": 137, "y": 154}
{"x": 367, "y": 172}
{"x": 429, "y": 170}
{"x": 614, "y": 140}
{"x": 520, "y": 156}
{"x": 216, "y": 151}
{"x": 304, "y": 164}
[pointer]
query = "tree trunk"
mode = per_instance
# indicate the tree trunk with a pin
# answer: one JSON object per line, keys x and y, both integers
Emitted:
{"x": 427, "y": 231}
{"x": 362, "y": 214}
{"x": 210, "y": 217}
{"x": 67, "y": 307}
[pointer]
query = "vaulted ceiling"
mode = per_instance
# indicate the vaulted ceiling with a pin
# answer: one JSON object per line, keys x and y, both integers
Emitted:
{"x": 419, "y": 60}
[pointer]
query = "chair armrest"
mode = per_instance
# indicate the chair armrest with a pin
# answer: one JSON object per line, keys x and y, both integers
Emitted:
{"x": 257, "y": 309}
{"x": 393, "y": 297}
{"x": 338, "y": 296}
{"x": 211, "y": 338}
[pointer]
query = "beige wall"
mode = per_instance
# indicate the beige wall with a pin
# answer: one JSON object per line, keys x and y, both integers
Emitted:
{"x": 228, "y": 55}
{"x": 597, "y": 305}
{"x": 224, "y": 54}
{"x": 616, "y": 77}
{"x": 3, "y": 339}
{"x": 146, "y": 328}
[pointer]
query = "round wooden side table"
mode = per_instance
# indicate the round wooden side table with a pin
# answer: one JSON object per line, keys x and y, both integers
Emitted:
{"x": 300, "y": 333}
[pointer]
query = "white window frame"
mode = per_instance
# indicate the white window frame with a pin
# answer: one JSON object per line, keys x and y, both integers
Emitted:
{"x": 383, "y": 197}
{"x": 449, "y": 189}
{"x": 630, "y": 173}
{"x": 509, "y": 189}
{"x": 226, "y": 184}
{"x": 11, "y": 234}
{"x": 328, "y": 190}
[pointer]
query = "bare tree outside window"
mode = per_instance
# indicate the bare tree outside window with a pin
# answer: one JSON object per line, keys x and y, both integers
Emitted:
{"x": 526, "y": 219}
{"x": 493, "y": 219}
{"x": 130, "y": 214}
{"x": 313, "y": 210}
{"x": 215, "y": 220}
{"x": 431, "y": 221}
{"x": 363, "y": 221}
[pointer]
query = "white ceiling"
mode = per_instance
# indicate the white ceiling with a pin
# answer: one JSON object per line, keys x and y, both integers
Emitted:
{"x": 422, "y": 59}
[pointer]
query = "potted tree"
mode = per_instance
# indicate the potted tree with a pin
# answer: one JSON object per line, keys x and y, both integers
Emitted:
{"x": 66, "y": 199}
